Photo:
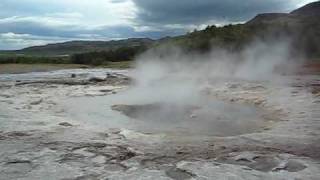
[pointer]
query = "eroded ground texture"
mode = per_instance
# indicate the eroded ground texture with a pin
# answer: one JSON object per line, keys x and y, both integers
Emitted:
{"x": 51, "y": 128}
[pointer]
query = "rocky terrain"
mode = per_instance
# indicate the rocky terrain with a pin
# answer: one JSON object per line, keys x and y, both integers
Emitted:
{"x": 40, "y": 137}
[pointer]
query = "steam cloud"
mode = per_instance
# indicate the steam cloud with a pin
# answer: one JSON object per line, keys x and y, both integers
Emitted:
{"x": 170, "y": 74}
{"x": 169, "y": 93}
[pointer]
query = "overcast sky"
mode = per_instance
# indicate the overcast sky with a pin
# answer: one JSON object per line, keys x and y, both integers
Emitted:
{"x": 26, "y": 23}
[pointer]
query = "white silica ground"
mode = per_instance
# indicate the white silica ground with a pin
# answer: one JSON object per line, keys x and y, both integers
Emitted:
{"x": 235, "y": 130}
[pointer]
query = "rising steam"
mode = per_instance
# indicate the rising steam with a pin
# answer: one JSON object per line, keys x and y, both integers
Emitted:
{"x": 169, "y": 88}
{"x": 170, "y": 74}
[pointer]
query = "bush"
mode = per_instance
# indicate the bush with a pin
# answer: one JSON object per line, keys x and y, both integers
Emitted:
{"x": 103, "y": 57}
{"x": 6, "y": 59}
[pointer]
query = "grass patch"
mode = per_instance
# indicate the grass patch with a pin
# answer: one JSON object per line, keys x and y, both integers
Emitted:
{"x": 23, "y": 59}
{"x": 64, "y": 60}
{"x": 118, "y": 65}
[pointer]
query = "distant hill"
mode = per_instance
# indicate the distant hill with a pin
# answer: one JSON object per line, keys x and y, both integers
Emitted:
{"x": 75, "y": 47}
{"x": 309, "y": 12}
{"x": 311, "y": 9}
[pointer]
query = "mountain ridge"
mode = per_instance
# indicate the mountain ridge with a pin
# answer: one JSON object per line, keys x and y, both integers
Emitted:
{"x": 81, "y": 46}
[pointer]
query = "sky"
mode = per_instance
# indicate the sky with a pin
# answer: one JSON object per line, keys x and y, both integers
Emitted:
{"x": 25, "y": 23}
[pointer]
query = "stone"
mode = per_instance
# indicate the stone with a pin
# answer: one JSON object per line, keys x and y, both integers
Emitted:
{"x": 96, "y": 79}
{"x": 66, "y": 124}
{"x": 36, "y": 102}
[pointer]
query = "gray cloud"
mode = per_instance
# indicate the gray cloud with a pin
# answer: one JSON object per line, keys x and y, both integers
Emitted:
{"x": 203, "y": 11}
{"x": 19, "y": 33}
{"x": 17, "y": 41}
{"x": 39, "y": 28}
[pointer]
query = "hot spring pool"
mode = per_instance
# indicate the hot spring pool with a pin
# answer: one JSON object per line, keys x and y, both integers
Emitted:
{"x": 198, "y": 117}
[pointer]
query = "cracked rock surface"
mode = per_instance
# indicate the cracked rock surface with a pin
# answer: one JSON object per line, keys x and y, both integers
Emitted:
{"x": 41, "y": 139}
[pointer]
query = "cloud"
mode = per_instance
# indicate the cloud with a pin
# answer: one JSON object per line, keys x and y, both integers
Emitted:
{"x": 92, "y": 12}
{"x": 65, "y": 20}
{"x": 20, "y": 34}
{"x": 203, "y": 11}
{"x": 53, "y": 26}
{"x": 11, "y": 41}
{"x": 39, "y": 26}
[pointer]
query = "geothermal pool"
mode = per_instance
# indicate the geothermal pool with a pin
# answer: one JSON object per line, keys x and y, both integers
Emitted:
{"x": 209, "y": 117}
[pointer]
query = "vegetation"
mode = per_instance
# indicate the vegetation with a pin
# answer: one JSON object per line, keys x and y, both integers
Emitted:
{"x": 105, "y": 57}
{"x": 114, "y": 58}
{"x": 22, "y": 59}
{"x": 230, "y": 37}
{"x": 303, "y": 32}
{"x": 108, "y": 54}
{"x": 119, "y": 65}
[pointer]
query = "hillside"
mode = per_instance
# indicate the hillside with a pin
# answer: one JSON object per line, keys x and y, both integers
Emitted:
{"x": 74, "y": 47}
{"x": 309, "y": 9}
{"x": 301, "y": 26}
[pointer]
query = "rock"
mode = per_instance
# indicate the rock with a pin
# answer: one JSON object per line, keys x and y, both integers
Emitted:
{"x": 127, "y": 155}
{"x": 118, "y": 80}
{"x": 18, "y": 161}
{"x": 233, "y": 86}
{"x": 36, "y": 102}
{"x": 179, "y": 174}
{"x": 106, "y": 90}
{"x": 109, "y": 75}
{"x": 66, "y": 124}
{"x": 84, "y": 152}
{"x": 180, "y": 152}
{"x": 99, "y": 159}
{"x": 2, "y": 137}
{"x": 17, "y": 134}
{"x": 96, "y": 79}
{"x": 193, "y": 116}
{"x": 5, "y": 95}
{"x": 290, "y": 166}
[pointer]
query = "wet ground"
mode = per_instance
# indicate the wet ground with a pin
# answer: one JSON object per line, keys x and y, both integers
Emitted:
{"x": 80, "y": 124}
